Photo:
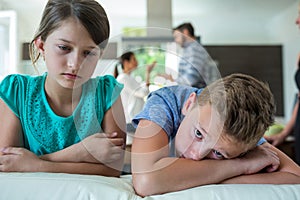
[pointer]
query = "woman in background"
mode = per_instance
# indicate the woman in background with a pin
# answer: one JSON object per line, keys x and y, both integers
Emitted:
{"x": 293, "y": 126}
{"x": 134, "y": 93}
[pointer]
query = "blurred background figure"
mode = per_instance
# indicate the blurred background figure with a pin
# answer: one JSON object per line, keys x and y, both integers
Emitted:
{"x": 293, "y": 125}
{"x": 134, "y": 93}
{"x": 196, "y": 68}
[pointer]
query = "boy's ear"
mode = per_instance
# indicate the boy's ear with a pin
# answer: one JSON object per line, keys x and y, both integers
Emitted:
{"x": 39, "y": 43}
{"x": 189, "y": 103}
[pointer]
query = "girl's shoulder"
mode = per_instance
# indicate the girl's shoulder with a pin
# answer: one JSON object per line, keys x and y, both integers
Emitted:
{"x": 13, "y": 78}
{"x": 103, "y": 78}
{"x": 106, "y": 81}
{"x": 19, "y": 80}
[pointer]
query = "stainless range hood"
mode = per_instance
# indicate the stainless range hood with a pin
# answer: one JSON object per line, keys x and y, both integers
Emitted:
{"x": 158, "y": 30}
{"x": 159, "y": 25}
{"x": 159, "y": 18}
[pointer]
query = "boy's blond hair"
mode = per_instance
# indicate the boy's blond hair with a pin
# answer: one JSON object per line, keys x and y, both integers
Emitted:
{"x": 245, "y": 105}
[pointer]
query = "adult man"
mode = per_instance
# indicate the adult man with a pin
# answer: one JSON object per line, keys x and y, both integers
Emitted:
{"x": 196, "y": 68}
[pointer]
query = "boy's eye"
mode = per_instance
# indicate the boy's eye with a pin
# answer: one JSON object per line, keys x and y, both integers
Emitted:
{"x": 198, "y": 134}
{"x": 218, "y": 154}
{"x": 242, "y": 154}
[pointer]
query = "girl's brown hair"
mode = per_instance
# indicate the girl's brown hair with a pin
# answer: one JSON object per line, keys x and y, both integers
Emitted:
{"x": 123, "y": 57}
{"x": 89, "y": 12}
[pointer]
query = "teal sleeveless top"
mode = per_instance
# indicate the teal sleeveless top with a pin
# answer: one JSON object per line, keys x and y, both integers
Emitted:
{"x": 44, "y": 131}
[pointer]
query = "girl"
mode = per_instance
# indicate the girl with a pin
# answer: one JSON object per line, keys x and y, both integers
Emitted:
{"x": 64, "y": 120}
{"x": 134, "y": 93}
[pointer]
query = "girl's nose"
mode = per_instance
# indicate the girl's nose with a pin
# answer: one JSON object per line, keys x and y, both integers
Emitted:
{"x": 74, "y": 62}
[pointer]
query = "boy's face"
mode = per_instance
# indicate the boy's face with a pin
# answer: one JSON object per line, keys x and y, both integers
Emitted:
{"x": 199, "y": 137}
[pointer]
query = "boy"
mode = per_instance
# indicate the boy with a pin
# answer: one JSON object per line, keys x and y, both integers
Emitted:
{"x": 215, "y": 133}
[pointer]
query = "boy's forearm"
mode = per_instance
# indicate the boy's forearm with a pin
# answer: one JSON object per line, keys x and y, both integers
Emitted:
{"x": 173, "y": 174}
{"x": 265, "y": 178}
{"x": 287, "y": 173}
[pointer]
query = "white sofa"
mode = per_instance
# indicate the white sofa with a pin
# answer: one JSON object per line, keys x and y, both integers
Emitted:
{"x": 60, "y": 186}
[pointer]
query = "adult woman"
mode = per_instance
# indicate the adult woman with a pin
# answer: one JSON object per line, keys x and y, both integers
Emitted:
{"x": 293, "y": 126}
{"x": 134, "y": 93}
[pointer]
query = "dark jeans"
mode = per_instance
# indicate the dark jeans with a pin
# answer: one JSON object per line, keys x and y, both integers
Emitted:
{"x": 297, "y": 137}
{"x": 297, "y": 143}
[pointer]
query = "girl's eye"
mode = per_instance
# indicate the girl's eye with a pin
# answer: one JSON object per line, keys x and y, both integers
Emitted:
{"x": 198, "y": 134}
{"x": 87, "y": 53}
{"x": 218, "y": 154}
{"x": 90, "y": 53}
{"x": 64, "y": 48}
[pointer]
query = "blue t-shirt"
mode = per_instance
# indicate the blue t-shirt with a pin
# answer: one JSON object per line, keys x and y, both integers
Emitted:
{"x": 164, "y": 106}
{"x": 44, "y": 131}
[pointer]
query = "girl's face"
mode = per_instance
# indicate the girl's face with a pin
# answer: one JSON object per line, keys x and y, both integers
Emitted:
{"x": 70, "y": 54}
{"x": 298, "y": 18}
{"x": 132, "y": 63}
{"x": 199, "y": 137}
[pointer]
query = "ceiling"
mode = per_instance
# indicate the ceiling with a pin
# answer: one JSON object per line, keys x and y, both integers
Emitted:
{"x": 191, "y": 7}
{"x": 210, "y": 17}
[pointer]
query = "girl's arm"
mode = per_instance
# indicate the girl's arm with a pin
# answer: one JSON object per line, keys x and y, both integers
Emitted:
{"x": 16, "y": 159}
{"x": 155, "y": 173}
{"x": 114, "y": 121}
{"x": 76, "y": 158}
{"x": 148, "y": 71}
{"x": 10, "y": 128}
{"x": 106, "y": 149}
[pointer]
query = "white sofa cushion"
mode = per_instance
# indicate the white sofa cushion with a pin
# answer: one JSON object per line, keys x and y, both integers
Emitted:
{"x": 60, "y": 186}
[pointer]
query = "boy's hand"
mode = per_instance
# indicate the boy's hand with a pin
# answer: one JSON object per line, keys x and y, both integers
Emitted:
{"x": 262, "y": 157}
{"x": 103, "y": 148}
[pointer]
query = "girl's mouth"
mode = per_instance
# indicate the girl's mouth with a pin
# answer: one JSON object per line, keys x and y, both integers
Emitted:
{"x": 71, "y": 76}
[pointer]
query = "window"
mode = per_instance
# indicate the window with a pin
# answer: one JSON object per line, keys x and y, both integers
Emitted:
{"x": 8, "y": 41}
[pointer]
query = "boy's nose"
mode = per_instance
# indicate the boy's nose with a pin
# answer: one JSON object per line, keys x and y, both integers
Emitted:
{"x": 193, "y": 155}
{"x": 197, "y": 153}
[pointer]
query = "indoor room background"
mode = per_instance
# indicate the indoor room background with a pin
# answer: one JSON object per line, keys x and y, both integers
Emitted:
{"x": 256, "y": 27}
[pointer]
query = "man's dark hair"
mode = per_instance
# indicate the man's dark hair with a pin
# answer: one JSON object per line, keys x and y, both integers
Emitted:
{"x": 187, "y": 26}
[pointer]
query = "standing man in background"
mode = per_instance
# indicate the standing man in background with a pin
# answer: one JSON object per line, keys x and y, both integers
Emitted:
{"x": 196, "y": 68}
